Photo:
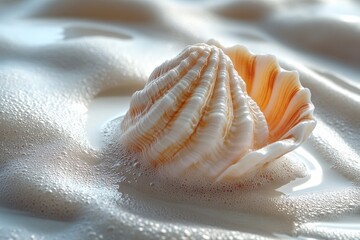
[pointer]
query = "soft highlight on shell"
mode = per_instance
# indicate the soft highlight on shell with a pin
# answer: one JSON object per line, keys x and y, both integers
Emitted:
{"x": 216, "y": 113}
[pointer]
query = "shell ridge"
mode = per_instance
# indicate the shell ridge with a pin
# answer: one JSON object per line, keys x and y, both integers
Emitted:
{"x": 267, "y": 67}
{"x": 168, "y": 130}
{"x": 284, "y": 89}
{"x": 270, "y": 80}
{"x": 230, "y": 98}
{"x": 244, "y": 63}
{"x": 216, "y": 113}
{"x": 297, "y": 110}
{"x": 305, "y": 118}
{"x": 158, "y": 87}
{"x": 260, "y": 130}
{"x": 166, "y": 102}
{"x": 263, "y": 155}
{"x": 169, "y": 64}
{"x": 190, "y": 150}
{"x": 218, "y": 118}
{"x": 233, "y": 148}
{"x": 191, "y": 83}
{"x": 302, "y": 130}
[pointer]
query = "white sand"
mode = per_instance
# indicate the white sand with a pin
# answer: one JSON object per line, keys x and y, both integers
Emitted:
{"x": 68, "y": 68}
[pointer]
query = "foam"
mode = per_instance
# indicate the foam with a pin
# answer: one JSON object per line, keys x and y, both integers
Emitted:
{"x": 53, "y": 177}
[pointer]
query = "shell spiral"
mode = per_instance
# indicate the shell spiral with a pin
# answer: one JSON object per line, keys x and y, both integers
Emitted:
{"x": 216, "y": 113}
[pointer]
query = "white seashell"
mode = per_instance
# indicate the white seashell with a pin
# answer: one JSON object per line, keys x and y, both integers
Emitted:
{"x": 216, "y": 113}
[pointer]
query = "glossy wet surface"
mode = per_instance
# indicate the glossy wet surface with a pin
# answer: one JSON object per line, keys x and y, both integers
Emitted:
{"x": 67, "y": 72}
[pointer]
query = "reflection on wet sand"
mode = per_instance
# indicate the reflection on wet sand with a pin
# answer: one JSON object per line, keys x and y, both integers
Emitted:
{"x": 61, "y": 65}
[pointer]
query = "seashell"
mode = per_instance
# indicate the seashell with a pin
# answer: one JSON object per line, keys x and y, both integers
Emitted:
{"x": 216, "y": 113}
